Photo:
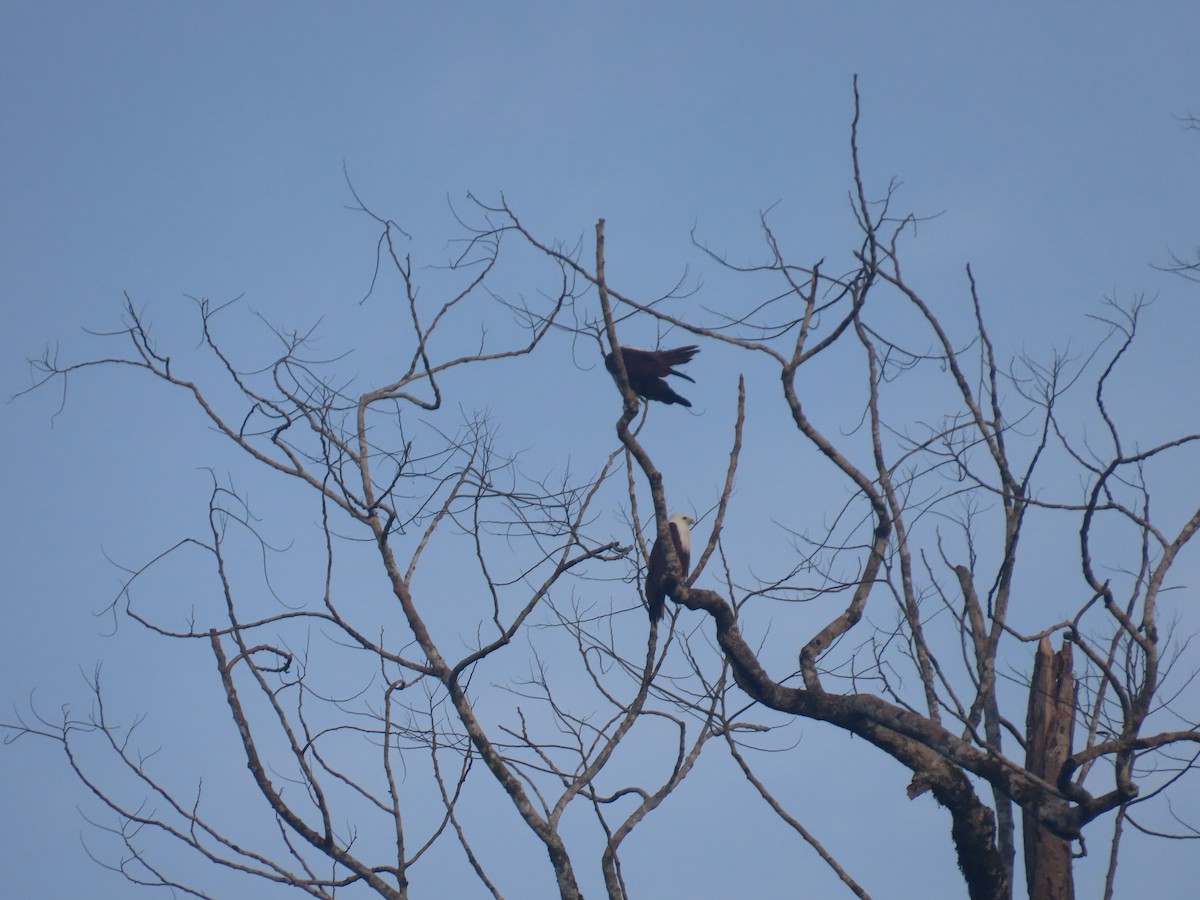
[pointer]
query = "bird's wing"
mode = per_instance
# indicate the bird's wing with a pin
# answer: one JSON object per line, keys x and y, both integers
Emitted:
{"x": 654, "y": 574}
{"x": 679, "y": 356}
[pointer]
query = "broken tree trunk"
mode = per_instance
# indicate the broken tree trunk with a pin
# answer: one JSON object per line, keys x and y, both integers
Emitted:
{"x": 1049, "y": 725}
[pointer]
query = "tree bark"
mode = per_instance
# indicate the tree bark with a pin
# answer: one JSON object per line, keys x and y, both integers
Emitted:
{"x": 1049, "y": 725}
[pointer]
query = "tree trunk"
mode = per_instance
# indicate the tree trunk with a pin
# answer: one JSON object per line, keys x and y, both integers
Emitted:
{"x": 1049, "y": 726}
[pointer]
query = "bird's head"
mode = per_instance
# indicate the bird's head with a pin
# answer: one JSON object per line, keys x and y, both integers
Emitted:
{"x": 682, "y": 519}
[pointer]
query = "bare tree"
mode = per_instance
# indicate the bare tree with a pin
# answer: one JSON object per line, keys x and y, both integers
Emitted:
{"x": 935, "y": 632}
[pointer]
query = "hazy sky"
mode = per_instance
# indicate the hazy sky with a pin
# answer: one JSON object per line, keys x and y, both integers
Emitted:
{"x": 168, "y": 150}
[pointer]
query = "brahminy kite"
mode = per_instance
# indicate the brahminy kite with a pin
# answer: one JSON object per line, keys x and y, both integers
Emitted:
{"x": 679, "y": 525}
{"x": 648, "y": 369}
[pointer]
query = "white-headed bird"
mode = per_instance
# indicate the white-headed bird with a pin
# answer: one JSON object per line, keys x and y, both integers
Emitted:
{"x": 679, "y": 526}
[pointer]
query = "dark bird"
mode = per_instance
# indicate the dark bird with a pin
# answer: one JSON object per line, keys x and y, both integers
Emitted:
{"x": 648, "y": 370}
{"x": 679, "y": 525}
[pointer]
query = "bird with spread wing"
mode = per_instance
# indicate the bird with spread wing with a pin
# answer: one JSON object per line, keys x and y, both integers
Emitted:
{"x": 648, "y": 370}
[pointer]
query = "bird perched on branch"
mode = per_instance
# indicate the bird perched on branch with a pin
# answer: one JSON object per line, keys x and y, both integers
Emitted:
{"x": 679, "y": 527}
{"x": 648, "y": 369}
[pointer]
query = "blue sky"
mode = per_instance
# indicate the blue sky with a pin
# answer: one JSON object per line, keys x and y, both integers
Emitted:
{"x": 170, "y": 150}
